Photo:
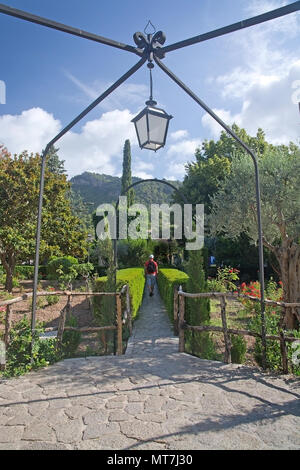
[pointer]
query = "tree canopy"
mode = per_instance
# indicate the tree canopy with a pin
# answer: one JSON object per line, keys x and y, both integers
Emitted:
{"x": 234, "y": 211}
{"x": 19, "y": 190}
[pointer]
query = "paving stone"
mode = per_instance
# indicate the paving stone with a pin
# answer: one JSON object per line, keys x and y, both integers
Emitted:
{"x": 27, "y": 445}
{"x": 96, "y": 431}
{"x": 152, "y": 417}
{"x": 150, "y": 398}
{"x": 137, "y": 429}
{"x": 134, "y": 408}
{"x": 118, "y": 416}
{"x": 69, "y": 433}
{"x": 10, "y": 434}
{"x": 117, "y": 402}
{"x": 154, "y": 404}
{"x": 109, "y": 442}
{"x": 23, "y": 419}
{"x": 94, "y": 418}
{"x": 38, "y": 432}
{"x": 74, "y": 412}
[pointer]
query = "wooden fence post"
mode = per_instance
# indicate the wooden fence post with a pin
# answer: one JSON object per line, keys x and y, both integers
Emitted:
{"x": 181, "y": 322}
{"x": 283, "y": 348}
{"x": 68, "y": 307}
{"x": 61, "y": 326}
{"x": 119, "y": 326}
{"x": 227, "y": 356}
{"x": 128, "y": 308}
{"x": 7, "y": 324}
{"x": 175, "y": 311}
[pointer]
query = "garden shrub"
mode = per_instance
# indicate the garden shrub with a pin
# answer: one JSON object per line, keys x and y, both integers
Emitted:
{"x": 63, "y": 263}
{"x": 71, "y": 338}
{"x": 197, "y": 310}
{"x": 18, "y": 354}
{"x": 167, "y": 280}
{"x": 104, "y": 307}
{"x": 238, "y": 349}
{"x": 134, "y": 277}
{"x": 52, "y": 299}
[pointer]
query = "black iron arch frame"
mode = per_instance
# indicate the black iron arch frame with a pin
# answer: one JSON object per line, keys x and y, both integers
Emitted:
{"x": 149, "y": 48}
{"x": 152, "y": 180}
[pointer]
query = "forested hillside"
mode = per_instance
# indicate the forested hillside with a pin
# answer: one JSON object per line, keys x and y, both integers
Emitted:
{"x": 97, "y": 189}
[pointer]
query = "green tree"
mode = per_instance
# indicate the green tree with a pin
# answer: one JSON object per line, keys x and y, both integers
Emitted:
{"x": 54, "y": 164}
{"x": 19, "y": 189}
{"x": 197, "y": 310}
{"x": 234, "y": 212}
{"x": 126, "y": 180}
{"x": 212, "y": 164}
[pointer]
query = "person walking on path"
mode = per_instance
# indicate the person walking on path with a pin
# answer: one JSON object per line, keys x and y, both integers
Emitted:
{"x": 151, "y": 271}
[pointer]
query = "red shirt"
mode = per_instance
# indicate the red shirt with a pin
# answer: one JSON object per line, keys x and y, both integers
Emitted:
{"x": 146, "y": 266}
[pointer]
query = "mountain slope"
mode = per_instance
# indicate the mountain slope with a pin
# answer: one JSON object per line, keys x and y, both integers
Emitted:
{"x": 96, "y": 189}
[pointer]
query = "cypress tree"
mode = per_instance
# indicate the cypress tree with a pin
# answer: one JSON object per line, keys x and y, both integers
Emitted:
{"x": 126, "y": 180}
{"x": 197, "y": 310}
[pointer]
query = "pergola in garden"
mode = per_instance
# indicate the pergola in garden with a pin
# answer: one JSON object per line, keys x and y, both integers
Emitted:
{"x": 152, "y": 123}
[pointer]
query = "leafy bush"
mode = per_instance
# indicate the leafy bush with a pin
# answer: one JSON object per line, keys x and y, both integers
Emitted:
{"x": 167, "y": 280}
{"x": 71, "y": 339}
{"x": 52, "y": 299}
{"x": 63, "y": 264}
{"x": 273, "y": 291}
{"x": 238, "y": 349}
{"x": 224, "y": 280}
{"x": 18, "y": 354}
{"x": 132, "y": 253}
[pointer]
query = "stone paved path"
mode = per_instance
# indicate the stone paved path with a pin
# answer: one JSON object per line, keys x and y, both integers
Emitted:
{"x": 151, "y": 398}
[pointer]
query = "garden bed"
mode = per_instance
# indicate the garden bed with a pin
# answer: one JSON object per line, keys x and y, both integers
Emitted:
{"x": 238, "y": 318}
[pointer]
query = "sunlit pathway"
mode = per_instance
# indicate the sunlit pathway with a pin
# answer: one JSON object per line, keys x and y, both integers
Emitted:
{"x": 151, "y": 398}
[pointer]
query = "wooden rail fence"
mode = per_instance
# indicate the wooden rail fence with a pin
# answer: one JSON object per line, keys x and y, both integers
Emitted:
{"x": 180, "y": 325}
{"x": 122, "y": 317}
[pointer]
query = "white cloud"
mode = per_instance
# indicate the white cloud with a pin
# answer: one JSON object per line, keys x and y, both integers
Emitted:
{"x": 141, "y": 169}
{"x": 98, "y": 146}
{"x": 270, "y": 108}
{"x": 178, "y": 135}
{"x": 178, "y": 171}
{"x": 31, "y": 130}
{"x": 261, "y": 84}
{"x": 184, "y": 149}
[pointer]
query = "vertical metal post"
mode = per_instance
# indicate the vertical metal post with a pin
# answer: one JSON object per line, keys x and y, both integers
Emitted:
{"x": 38, "y": 238}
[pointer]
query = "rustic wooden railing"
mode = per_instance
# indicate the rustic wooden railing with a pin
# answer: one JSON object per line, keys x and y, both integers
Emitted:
{"x": 122, "y": 317}
{"x": 180, "y": 325}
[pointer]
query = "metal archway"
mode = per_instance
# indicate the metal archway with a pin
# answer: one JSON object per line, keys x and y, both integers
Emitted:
{"x": 155, "y": 180}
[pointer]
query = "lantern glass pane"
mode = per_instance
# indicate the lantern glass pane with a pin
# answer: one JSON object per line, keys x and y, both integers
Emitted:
{"x": 157, "y": 128}
{"x": 152, "y": 146}
{"x": 141, "y": 128}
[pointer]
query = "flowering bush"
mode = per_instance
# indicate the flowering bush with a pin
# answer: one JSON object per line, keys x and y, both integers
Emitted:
{"x": 273, "y": 291}
{"x": 52, "y": 299}
{"x": 224, "y": 281}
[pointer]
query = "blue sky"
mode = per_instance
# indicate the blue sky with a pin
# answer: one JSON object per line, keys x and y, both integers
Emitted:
{"x": 251, "y": 77}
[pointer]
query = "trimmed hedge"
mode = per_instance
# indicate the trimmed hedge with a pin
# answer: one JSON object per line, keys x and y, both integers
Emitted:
{"x": 135, "y": 279}
{"x": 167, "y": 280}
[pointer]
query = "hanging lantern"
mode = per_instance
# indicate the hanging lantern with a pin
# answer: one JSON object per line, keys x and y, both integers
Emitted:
{"x": 151, "y": 124}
